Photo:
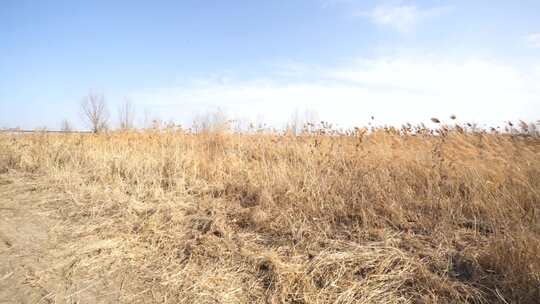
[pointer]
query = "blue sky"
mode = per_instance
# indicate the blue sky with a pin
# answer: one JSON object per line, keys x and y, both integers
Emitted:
{"x": 260, "y": 60}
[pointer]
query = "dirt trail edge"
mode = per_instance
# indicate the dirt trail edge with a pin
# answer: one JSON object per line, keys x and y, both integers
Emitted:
{"x": 34, "y": 262}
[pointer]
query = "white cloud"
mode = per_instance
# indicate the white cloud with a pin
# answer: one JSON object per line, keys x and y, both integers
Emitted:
{"x": 533, "y": 40}
{"x": 403, "y": 18}
{"x": 394, "y": 90}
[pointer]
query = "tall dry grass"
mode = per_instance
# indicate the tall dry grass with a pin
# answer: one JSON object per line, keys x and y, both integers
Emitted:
{"x": 389, "y": 216}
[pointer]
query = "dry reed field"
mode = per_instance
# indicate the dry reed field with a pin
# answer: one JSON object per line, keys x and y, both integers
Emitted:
{"x": 379, "y": 216}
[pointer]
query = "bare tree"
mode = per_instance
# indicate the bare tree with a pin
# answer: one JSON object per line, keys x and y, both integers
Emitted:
{"x": 212, "y": 121}
{"x": 126, "y": 115}
{"x": 260, "y": 123}
{"x": 147, "y": 122}
{"x": 94, "y": 112}
{"x": 294, "y": 125}
{"x": 311, "y": 120}
{"x": 65, "y": 126}
{"x": 298, "y": 123}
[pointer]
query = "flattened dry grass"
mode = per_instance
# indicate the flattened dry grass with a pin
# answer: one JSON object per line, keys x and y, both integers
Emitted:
{"x": 380, "y": 217}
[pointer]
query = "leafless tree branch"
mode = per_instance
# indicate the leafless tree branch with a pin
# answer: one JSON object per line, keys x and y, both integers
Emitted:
{"x": 94, "y": 112}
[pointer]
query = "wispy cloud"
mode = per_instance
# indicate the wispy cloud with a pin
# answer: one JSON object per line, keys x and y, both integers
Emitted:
{"x": 395, "y": 90}
{"x": 533, "y": 40}
{"x": 403, "y": 18}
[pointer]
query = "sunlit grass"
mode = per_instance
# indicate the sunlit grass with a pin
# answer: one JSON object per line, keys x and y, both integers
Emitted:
{"x": 364, "y": 216}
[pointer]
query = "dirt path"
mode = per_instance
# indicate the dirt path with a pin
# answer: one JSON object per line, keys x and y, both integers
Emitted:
{"x": 23, "y": 243}
{"x": 35, "y": 260}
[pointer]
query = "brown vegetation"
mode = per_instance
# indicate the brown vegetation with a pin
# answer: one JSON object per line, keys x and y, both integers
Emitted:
{"x": 389, "y": 216}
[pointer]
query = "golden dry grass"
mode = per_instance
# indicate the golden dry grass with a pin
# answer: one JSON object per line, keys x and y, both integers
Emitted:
{"x": 362, "y": 217}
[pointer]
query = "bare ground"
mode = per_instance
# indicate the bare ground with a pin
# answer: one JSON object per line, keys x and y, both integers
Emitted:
{"x": 35, "y": 256}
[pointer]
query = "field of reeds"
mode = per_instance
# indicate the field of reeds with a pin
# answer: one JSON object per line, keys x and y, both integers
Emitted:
{"x": 366, "y": 216}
